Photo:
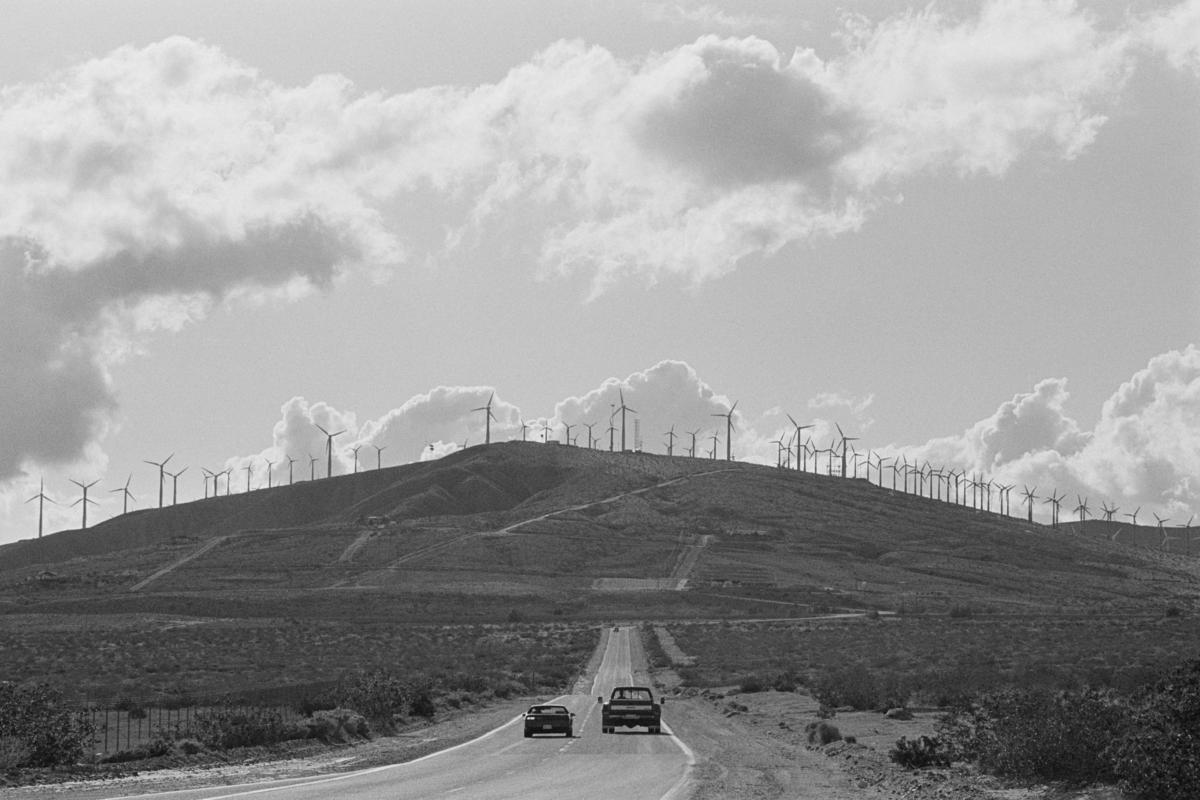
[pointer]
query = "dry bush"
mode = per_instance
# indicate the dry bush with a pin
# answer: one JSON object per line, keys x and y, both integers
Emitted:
{"x": 821, "y": 733}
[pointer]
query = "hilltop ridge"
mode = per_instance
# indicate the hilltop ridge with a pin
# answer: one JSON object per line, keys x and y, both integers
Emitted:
{"x": 533, "y": 520}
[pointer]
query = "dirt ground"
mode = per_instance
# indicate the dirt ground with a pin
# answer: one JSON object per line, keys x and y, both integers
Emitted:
{"x": 754, "y": 747}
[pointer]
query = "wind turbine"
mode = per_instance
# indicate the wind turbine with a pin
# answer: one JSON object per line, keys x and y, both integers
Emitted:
{"x": 312, "y": 466}
{"x": 42, "y": 497}
{"x": 799, "y": 428}
{"x": 591, "y": 439}
{"x": 671, "y": 441}
{"x": 778, "y": 452}
{"x": 379, "y": 455}
{"x": 84, "y": 500}
{"x": 209, "y": 474}
{"x": 692, "y": 449}
{"x": 1054, "y": 500}
{"x": 524, "y": 427}
{"x": 175, "y": 484}
{"x": 270, "y": 465}
{"x": 249, "y": 471}
{"x": 1082, "y": 508}
{"x": 610, "y": 430}
{"x": 1161, "y": 521}
{"x": 1133, "y": 516}
{"x": 716, "y": 437}
{"x": 545, "y": 432}
{"x": 355, "y": 450}
{"x": 291, "y": 463}
{"x": 728, "y": 415}
{"x": 161, "y": 467}
{"x": 228, "y": 474}
{"x": 623, "y": 408}
{"x": 488, "y": 416}
{"x": 567, "y": 432}
{"x": 329, "y": 449}
{"x": 1108, "y": 512}
{"x": 123, "y": 490}
{"x": 1030, "y": 496}
{"x": 846, "y": 439}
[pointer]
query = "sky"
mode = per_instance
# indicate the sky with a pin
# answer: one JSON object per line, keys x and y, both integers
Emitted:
{"x": 966, "y": 233}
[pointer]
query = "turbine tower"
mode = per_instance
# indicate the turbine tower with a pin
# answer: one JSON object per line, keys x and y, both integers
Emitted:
{"x": 379, "y": 455}
{"x": 591, "y": 439}
{"x": 84, "y": 500}
{"x": 209, "y": 474}
{"x": 487, "y": 419}
{"x": 1133, "y": 516}
{"x": 692, "y": 449}
{"x": 329, "y": 449}
{"x": 249, "y": 471}
{"x": 567, "y": 432}
{"x": 1108, "y": 512}
{"x": 175, "y": 484}
{"x": 1082, "y": 508}
{"x": 846, "y": 439}
{"x": 1030, "y": 496}
{"x": 355, "y": 450}
{"x": 270, "y": 465}
{"x": 161, "y": 467}
{"x": 42, "y": 497}
{"x": 312, "y": 466}
{"x": 291, "y": 464}
{"x": 799, "y": 428}
{"x": 671, "y": 441}
{"x": 728, "y": 415}
{"x": 125, "y": 491}
{"x": 623, "y": 408}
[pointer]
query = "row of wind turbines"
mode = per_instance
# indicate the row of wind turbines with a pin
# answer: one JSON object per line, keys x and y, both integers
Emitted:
{"x": 925, "y": 480}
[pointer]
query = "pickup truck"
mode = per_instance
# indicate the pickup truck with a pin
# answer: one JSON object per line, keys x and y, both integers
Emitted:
{"x": 630, "y": 707}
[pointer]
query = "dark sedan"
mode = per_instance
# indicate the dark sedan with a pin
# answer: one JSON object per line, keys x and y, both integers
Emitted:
{"x": 549, "y": 719}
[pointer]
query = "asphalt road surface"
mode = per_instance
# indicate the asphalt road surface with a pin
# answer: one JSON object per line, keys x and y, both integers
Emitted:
{"x": 502, "y": 763}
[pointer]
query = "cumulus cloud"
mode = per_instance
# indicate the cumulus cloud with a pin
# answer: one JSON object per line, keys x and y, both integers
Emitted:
{"x": 140, "y": 188}
{"x": 137, "y": 191}
{"x": 706, "y": 16}
{"x": 1144, "y": 450}
{"x": 1175, "y": 34}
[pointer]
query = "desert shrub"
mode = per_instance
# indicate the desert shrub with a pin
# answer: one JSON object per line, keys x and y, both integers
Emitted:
{"x": 786, "y": 681}
{"x": 379, "y": 696}
{"x": 13, "y": 753}
{"x": 919, "y": 753}
{"x": 189, "y": 747}
{"x": 821, "y": 733}
{"x": 337, "y": 725}
{"x": 159, "y": 746}
{"x": 1160, "y": 756}
{"x": 225, "y": 728}
{"x": 506, "y": 688}
{"x": 852, "y": 686}
{"x": 39, "y": 728}
{"x": 1037, "y": 734}
{"x": 420, "y": 702}
{"x": 132, "y": 707}
{"x": 750, "y": 684}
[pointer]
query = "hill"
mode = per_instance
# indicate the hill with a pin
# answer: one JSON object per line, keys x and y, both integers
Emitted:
{"x": 591, "y": 531}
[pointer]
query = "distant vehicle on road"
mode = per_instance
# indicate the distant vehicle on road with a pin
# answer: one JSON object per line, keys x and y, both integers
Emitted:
{"x": 630, "y": 707}
{"x": 549, "y": 719}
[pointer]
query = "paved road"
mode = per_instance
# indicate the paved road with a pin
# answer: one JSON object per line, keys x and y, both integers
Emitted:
{"x": 503, "y": 764}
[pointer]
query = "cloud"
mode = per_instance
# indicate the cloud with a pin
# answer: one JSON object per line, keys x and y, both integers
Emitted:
{"x": 1175, "y": 33}
{"x": 1143, "y": 451}
{"x": 141, "y": 188}
{"x": 705, "y": 15}
{"x": 137, "y": 191}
